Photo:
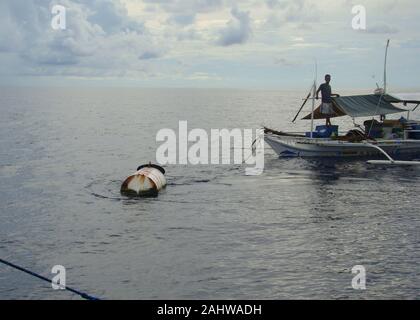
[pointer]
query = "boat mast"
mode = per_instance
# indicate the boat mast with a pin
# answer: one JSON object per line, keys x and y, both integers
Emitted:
{"x": 385, "y": 66}
{"x": 313, "y": 98}
{"x": 313, "y": 108}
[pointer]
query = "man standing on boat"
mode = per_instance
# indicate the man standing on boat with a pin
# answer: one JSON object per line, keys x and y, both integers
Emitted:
{"x": 326, "y": 106}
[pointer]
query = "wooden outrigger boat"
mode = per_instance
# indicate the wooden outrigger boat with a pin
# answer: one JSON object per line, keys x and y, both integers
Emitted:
{"x": 394, "y": 137}
{"x": 389, "y": 138}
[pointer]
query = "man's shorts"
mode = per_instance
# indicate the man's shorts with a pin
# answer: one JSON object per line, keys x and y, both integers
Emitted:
{"x": 327, "y": 108}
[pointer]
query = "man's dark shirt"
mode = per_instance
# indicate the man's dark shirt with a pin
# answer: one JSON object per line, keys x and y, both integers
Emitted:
{"x": 326, "y": 93}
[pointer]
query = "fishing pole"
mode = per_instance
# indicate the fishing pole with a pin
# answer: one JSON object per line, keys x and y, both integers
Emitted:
{"x": 34, "y": 274}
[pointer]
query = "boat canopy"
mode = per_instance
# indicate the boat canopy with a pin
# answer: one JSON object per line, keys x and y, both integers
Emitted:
{"x": 361, "y": 106}
{"x": 406, "y": 98}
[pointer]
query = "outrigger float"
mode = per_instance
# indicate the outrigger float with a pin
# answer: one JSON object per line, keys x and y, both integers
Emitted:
{"x": 389, "y": 138}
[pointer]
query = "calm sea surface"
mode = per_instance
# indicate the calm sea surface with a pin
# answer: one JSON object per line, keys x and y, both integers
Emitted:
{"x": 294, "y": 232}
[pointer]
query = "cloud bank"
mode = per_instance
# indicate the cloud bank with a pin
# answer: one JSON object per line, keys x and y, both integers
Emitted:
{"x": 100, "y": 38}
{"x": 238, "y": 43}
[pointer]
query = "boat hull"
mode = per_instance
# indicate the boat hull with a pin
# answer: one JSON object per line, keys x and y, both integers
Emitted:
{"x": 286, "y": 146}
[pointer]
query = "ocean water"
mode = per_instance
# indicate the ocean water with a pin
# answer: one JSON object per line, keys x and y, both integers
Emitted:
{"x": 295, "y": 232}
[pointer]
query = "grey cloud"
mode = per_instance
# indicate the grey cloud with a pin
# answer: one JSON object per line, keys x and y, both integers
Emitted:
{"x": 150, "y": 55}
{"x": 381, "y": 29}
{"x": 182, "y": 19}
{"x": 111, "y": 16}
{"x": 294, "y": 10}
{"x": 188, "y": 34}
{"x": 277, "y": 4}
{"x": 186, "y": 6}
{"x": 100, "y": 38}
{"x": 237, "y": 30}
{"x": 291, "y": 11}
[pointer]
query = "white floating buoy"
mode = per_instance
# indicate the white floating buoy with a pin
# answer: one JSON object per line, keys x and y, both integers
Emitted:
{"x": 148, "y": 180}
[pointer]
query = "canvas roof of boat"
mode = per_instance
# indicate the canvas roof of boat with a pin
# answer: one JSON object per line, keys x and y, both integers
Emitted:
{"x": 362, "y": 106}
{"x": 407, "y": 98}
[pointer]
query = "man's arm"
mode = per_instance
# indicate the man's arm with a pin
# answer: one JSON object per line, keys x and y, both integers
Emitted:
{"x": 335, "y": 95}
{"x": 317, "y": 93}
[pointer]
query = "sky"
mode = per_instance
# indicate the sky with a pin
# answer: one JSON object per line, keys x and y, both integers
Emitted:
{"x": 269, "y": 44}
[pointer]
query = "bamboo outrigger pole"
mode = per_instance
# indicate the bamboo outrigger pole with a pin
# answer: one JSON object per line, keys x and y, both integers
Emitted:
{"x": 390, "y": 160}
{"x": 304, "y": 102}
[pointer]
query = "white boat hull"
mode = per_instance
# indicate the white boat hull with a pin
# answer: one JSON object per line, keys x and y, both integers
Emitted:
{"x": 286, "y": 146}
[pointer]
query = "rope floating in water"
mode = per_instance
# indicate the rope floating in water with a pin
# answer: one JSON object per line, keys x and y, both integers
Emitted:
{"x": 81, "y": 294}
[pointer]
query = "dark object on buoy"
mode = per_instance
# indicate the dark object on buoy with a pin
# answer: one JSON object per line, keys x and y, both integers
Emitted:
{"x": 152, "y": 166}
{"x": 147, "y": 181}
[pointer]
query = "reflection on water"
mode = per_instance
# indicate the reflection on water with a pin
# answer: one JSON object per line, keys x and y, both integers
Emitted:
{"x": 294, "y": 232}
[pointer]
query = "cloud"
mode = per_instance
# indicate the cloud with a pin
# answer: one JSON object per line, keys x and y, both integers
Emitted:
{"x": 187, "y": 34}
{"x": 291, "y": 11}
{"x": 99, "y": 37}
{"x": 381, "y": 29}
{"x": 175, "y": 40}
{"x": 182, "y": 19}
{"x": 111, "y": 16}
{"x": 237, "y": 30}
{"x": 275, "y": 4}
{"x": 186, "y": 6}
{"x": 203, "y": 76}
{"x": 285, "y": 62}
{"x": 146, "y": 55}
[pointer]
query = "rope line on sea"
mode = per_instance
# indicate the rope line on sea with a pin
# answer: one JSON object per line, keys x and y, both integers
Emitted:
{"x": 34, "y": 274}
